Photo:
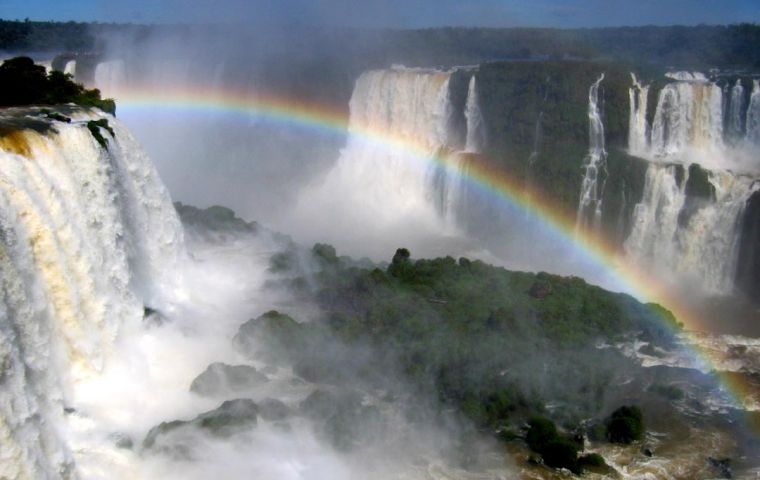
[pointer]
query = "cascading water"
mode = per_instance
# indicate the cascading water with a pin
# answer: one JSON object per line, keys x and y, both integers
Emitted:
{"x": 689, "y": 116}
{"x": 88, "y": 236}
{"x": 735, "y": 114}
{"x": 476, "y": 137}
{"x": 753, "y": 115}
{"x": 687, "y": 235}
{"x": 595, "y": 165}
{"x": 703, "y": 246}
{"x": 655, "y": 218}
{"x": 109, "y": 76}
{"x": 638, "y": 137}
{"x": 393, "y": 182}
{"x": 71, "y": 68}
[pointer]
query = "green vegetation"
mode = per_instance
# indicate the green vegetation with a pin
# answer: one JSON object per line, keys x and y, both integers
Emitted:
{"x": 45, "y": 36}
{"x": 230, "y": 417}
{"x": 55, "y": 116}
{"x": 520, "y": 98}
{"x": 698, "y": 47}
{"x": 24, "y": 83}
{"x": 591, "y": 460}
{"x": 671, "y": 392}
{"x": 342, "y": 419}
{"x": 556, "y": 450}
{"x": 94, "y": 127}
{"x": 494, "y": 345}
{"x": 215, "y": 218}
{"x": 625, "y": 425}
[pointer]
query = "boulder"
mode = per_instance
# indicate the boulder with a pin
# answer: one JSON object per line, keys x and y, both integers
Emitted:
{"x": 220, "y": 378}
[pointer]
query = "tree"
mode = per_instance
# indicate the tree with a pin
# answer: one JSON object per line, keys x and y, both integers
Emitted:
{"x": 625, "y": 425}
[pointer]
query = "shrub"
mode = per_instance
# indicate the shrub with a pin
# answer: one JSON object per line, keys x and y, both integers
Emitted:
{"x": 541, "y": 431}
{"x": 591, "y": 460}
{"x": 556, "y": 450}
{"x": 625, "y": 425}
{"x": 562, "y": 453}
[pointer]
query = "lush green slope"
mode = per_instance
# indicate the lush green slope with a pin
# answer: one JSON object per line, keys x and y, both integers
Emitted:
{"x": 496, "y": 345}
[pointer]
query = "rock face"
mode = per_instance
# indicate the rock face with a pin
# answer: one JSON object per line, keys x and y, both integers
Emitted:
{"x": 269, "y": 336}
{"x": 220, "y": 378}
{"x": 273, "y": 410}
{"x": 229, "y": 418}
{"x": 340, "y": 417}
{"x": 215, "y": 218}
{"x": 748, "y": 265}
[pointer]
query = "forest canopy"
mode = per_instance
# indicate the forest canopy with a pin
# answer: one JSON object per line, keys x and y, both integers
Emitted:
{"x": 683, "y": 47}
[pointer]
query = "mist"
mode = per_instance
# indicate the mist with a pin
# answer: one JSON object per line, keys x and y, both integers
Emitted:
{"x": 312, "y": 243}
{"x": 118, "y": 429}
{"x": 298, "y": 179}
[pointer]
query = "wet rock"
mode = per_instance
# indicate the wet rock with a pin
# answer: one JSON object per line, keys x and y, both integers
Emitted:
{"x": 650, "y": 350}
{"x": 153, "y": 317}
{"x": 161, "y": 429}
{"x": 721, "y": 466}
{"x": 229, "y": 418}
{"x": 647, "y": 451}
{"x": 270, "y": 336}
{"x": 340, "y": 417}
{"x": 273, "y": 410}
{"x": 122, "y": 441}
{"x": 219, "y": 378}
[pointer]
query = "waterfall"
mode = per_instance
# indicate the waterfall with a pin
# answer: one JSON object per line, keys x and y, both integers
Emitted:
{"x": 702, "y": 246}
{"x": 594, "y": 166}
{"x": 689, "y": 116}
{"x": 694, "y": 234}
{"x": 412, "y": 107}
{"x": 735, "y": 113}
{"x": 71, "y": 68}
{"x": 655, "y": 218}
{"x": 476, "y": 138}
{"x": 110, "y": 76}
{"x": 638, "y": 137}
{"x": 753, "y": 115}
{"x": 696, "y": 120}
{"x": 536, "y": 141}
{"x": 88, "y": 238}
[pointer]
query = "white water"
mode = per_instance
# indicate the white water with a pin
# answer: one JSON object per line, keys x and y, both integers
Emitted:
{"x": 384, "y": 180}
{"x": 688, "y": 117}
{"x": 594, "y": 166}
{"x": 89, "y": 237}
{"x": 686, "y": 76}
{"x": 736, "y": 116}
{"x": 110, "y": 77}
{"x": 71, "y": 68}
{"x": 696, "y": 121}
{"x": 638, "y": 136}
{"x": 705, "y": 249}
{"x": 753, "y": 115}
{"x": 476, "y": 135}
{"x": 688, "y": 128}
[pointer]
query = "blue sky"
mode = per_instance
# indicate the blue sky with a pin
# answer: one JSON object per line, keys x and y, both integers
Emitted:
{"x": 393, "y": 13}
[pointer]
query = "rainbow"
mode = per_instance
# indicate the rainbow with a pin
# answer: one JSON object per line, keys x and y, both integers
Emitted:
{"x": 481, "y": 174}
